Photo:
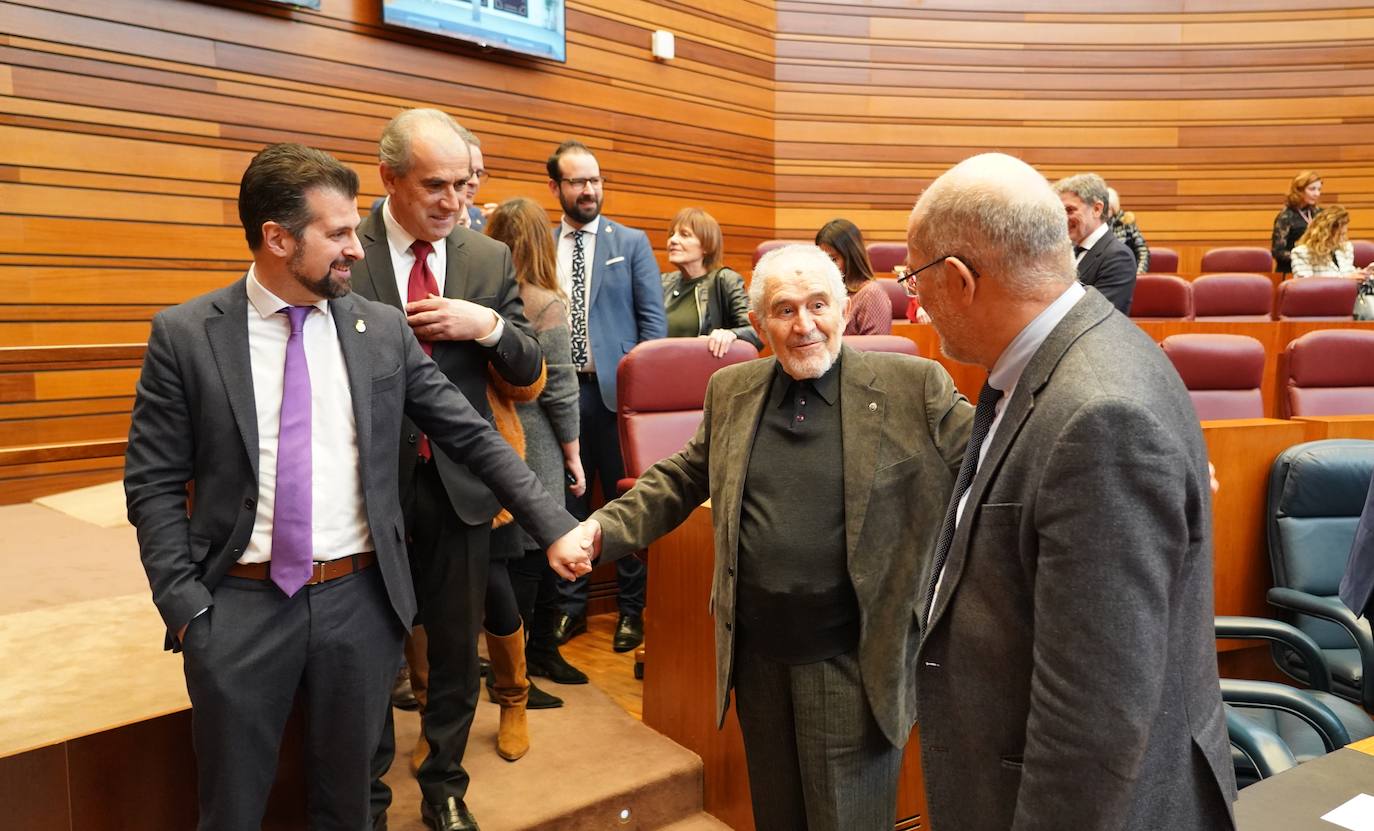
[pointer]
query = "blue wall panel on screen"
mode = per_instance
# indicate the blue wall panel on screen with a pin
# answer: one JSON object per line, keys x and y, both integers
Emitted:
{"x": 532, "y": 27}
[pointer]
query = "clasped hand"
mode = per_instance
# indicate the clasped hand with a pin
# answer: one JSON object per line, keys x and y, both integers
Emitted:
{"x": 449, "y": 318}
{"x": 571, "y": 555}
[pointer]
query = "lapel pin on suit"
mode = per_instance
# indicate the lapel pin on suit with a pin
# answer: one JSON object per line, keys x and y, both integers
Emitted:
{"x": 873, "y": 406}
{"x": 361, "y": 326}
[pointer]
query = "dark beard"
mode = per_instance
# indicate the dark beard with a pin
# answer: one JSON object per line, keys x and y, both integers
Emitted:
{"x": 579, "y": 214}
{"x": 323, "y": 286}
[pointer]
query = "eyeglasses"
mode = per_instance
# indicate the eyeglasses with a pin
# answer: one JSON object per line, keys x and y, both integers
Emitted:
{"x": 907, "y": 275}
{"x": 479, "y": 174}
{"x": 578, "y": 184}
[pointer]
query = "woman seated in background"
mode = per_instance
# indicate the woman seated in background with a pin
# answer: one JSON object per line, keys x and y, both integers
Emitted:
{"x": 1300, "y": 207}
{"x": 702, "y": 297}
{"x": 1323, "y": 250}
{"x": 1124, "y": 227}
{"x": 870, "y": 310}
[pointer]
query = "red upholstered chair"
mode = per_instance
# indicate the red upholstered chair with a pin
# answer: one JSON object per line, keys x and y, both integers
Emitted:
{"x": 886, "y": 255}
{"x": 769, "y": 244}
{"x": 1243, "y": 258}
{"x": 1328, "y": 372}
{"x": 1162, "y": 297}
{"x": 881, "y": 343}
{"x": 1162, "y": 261}
{"x": 900, "y": 299}
{"x": 1234, "y": 297}
{"x": 1223, "y": 373}
{"x": 1364, "y": 252}
{"x": 661, "y": 389}
{"x": 1332, "y": 298}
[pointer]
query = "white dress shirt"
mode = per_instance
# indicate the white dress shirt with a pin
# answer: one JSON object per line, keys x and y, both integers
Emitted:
{"x": 399, "y": 240}
{"x": 1006, "y": 373}
{"x": 1090, "y": 240}
{"x": 565, "y": 258}
{"x": 340, "y": 519}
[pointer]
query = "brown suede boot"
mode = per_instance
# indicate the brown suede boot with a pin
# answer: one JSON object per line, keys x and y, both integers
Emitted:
{"x": 512, "y": 690}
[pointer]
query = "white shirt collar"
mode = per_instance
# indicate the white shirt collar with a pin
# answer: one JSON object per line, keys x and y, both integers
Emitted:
{"x": 266, "y": 303}
{"x": 1012, "y": 362}
{"x": 1091, "y": 239}
{"x": 591, "y": 227}
{"x": 397, "y": 237}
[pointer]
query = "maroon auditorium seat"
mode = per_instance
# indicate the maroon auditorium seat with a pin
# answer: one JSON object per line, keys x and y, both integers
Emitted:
{"x": 886, "y": 255}
{"x": 1162, "y": 297}
{"x": 661, "y": 387}
{"x": 1328, "y": 372}
{"x": 769, "y": 244}
{"x": 1223, "y": 373}
{"x": 1233, "y": 297}
{"x": 1332, "y": 298}
{"x": 1364, "y": 252}
{"x": 1243, "y": 258}
{"x": 900, "y": 299}
{"x": 1163, "y": 261}
{"x": 880, "y": 343}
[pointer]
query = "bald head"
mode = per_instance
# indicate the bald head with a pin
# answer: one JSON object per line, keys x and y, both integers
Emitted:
{"x": 999, "y": 215}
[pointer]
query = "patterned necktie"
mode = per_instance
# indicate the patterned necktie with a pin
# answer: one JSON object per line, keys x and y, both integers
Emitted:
{"x": 578, "y": 312}
{"x": 421, "y": 285}
{"x": 292, "y": 538}
{"x": 982, "y": 421}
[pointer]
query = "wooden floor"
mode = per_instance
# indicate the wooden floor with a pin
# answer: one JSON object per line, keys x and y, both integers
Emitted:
{"x": 612, "y": 672}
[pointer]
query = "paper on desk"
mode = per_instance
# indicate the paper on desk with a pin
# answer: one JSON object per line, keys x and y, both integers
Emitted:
{"x": 1356, "y": 815}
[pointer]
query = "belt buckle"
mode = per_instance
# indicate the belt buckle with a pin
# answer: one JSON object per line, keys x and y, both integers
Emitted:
{"x": 316, "y": 574}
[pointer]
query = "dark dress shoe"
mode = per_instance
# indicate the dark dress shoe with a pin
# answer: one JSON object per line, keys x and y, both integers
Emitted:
{"x": 538, "y": 699}
{"x": 551, "y": 665}
{"x": 451, "y": 815}
{"x": 402, "y": 696}
{"x": 568, "y": 627}
{"x": 629, "y": 633}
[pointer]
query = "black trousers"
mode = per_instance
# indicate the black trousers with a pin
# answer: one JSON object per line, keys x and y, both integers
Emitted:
{"x": 336, "y": 644}
{"x": 817, "y": 759}
{"x": 448, "y": 562}
{"x": 601, "y": 459}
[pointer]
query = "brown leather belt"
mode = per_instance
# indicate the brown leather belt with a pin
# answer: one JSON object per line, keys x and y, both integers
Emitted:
{"x": 323, "y": 572}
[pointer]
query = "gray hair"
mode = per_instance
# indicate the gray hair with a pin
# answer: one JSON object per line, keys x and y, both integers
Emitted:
{"x": 789, "y": 260}
{"x": 1089, "y": 187}
{"x": 1113, "y": 202}
{"x": 1000, "y": 217}
{"x": 394, "y": 148}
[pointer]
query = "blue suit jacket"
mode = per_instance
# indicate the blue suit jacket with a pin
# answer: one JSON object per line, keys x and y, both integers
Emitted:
{"x": 626, "y": 305}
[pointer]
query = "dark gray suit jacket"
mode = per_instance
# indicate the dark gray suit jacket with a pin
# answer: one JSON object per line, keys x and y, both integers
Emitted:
{"x": 194, "y": 420}
{"x": 1068, "y": 676}
{"x": 1110, "y": 267}
{"x": 477, "y": 269}
{"x": 904, "y": 429}
{"x": 1357, "y": 584}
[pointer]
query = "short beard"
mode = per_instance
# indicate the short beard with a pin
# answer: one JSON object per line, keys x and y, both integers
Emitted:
{"x": 325, "y": 286}
{"x": 578, "y": 214}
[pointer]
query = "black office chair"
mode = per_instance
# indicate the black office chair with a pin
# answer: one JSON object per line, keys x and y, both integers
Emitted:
{"x": 1304, "y": 723}
{"x": 1316, "y": 493}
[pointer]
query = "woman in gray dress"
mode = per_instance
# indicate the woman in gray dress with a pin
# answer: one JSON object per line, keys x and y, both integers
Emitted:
{"x": 550, "y": 423}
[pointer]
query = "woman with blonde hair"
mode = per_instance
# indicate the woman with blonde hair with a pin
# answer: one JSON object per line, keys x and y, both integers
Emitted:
{"x": 521, "y": 594}
{"x": 1300, "y": 208}
{"x": 1324, "y": 250}
{"x": 701, "y": 296}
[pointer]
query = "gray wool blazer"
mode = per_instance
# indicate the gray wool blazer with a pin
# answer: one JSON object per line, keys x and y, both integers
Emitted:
{"x": 904, "y": 429}
{"x": 1068, "y": 676}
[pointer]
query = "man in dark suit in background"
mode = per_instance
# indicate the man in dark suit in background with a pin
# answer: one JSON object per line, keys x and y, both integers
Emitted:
{"x": 476, "y": 220}
{"x": 1067, "y": 674}
{"x": 827, "y": 469}
{"x": 615, "y": 301}
{"x": 1104, "y": 262}
{"x": 279, "y": 399}
{"x": 458, "y": 289}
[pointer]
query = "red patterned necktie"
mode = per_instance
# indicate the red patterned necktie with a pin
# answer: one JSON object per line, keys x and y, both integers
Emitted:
{"x": 420, "y": 287}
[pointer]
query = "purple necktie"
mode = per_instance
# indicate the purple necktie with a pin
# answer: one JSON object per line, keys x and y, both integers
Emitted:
{"x": 292, "y": 540}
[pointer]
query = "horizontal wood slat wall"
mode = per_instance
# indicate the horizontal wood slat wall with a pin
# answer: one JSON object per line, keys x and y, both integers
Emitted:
{"x": 126, "y": 124}
{"x": 1199, "y": 113}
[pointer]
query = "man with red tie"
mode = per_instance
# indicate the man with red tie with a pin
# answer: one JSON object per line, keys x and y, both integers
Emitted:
{"x": 459, "y": 293}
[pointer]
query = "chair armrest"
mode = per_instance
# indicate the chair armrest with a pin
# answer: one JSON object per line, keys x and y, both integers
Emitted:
{"x": 1263, "y": 628}
{"x": 1291, "y": 700}
{"x": 1265, "y": 750}
{"x": 1336, "y": 612}
{"x": 623, "y": 486}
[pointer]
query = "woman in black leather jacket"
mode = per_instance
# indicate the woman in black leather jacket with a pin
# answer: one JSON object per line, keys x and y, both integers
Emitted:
{"x": 702, "y": 297}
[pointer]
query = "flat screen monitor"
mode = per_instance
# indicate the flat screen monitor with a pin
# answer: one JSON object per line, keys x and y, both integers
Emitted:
{"x": 304, "y": 4}
{"x": 531, "y": 27}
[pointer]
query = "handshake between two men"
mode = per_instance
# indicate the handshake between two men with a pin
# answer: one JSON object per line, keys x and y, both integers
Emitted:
{"x": 571, "y": 555}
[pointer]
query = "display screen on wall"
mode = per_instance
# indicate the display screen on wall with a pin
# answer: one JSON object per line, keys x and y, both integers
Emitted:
{"x": 304, "y": 4}
{"x": 531, "y": 27}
